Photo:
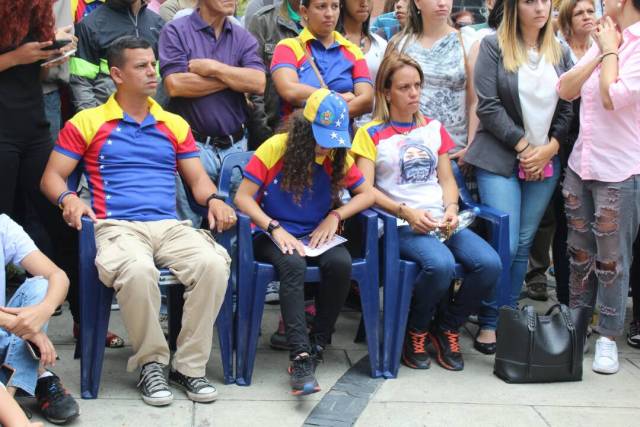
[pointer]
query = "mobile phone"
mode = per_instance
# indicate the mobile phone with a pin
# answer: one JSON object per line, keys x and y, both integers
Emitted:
{"x": 58, "y": 44}
{"x": 59, "y": 57}
{"x": 33, "y": 350}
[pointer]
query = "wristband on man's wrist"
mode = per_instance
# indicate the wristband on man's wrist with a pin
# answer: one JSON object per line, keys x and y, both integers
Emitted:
{"x": 62, "y": 196}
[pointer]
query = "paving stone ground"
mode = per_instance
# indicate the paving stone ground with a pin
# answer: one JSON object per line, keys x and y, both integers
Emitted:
{"x": 473, "y": 397}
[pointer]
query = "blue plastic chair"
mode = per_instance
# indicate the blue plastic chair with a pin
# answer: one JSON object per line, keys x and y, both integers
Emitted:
{"x": 95, "y": 309}
{"x": 400, "y": 275}
{"x": 253, "y": 277}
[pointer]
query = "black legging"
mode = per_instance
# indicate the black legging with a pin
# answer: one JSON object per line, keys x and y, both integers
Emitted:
{"x": 21, "y": 166}
{"x": 335, "y": 267}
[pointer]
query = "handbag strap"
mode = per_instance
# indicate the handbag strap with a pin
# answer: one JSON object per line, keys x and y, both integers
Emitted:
{"x": 531, "y": 327}
{"x": 566, "y": 314}
{"x": 311, "y": 62}
{"x": 568, "y": 321}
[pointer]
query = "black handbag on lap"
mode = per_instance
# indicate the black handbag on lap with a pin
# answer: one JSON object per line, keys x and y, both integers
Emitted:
{"x": 535, "y": 348}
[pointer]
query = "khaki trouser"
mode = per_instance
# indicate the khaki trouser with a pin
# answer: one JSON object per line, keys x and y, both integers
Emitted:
{"x": 128, "y": 253}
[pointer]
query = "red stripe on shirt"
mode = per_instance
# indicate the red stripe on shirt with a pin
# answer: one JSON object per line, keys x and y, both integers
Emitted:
{"x": 92, "y": 168}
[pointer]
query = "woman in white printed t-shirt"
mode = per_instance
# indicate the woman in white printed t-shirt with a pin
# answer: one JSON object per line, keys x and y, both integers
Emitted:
{"x": 406, "y": 153}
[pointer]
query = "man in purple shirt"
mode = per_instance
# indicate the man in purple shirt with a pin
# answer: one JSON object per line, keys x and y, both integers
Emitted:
{"x": 208, "y": 64}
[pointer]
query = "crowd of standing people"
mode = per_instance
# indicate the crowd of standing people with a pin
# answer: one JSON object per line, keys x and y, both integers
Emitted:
{"x": 537, "y": 107}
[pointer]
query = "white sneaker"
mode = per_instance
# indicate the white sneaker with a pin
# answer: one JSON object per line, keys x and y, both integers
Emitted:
{"x": 272, "y": 295}
{"x": 605, "y": 361}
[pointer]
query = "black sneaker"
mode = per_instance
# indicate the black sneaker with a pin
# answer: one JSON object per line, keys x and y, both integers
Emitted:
{"x": 54, "y": 401}
{"x": 302, "y": 371}
{"x": 198, "y": 389}
{"x": 447, "y": 345}
{"x": 633, "y": 337}
{"x": 414, "y": 351}
{"x": 153, "y": 385}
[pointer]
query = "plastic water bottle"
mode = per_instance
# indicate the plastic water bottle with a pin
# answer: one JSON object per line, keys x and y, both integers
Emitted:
{"x": 465, "y": 219}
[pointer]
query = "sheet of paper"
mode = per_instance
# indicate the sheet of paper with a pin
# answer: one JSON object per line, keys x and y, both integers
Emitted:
{"x": 313, "y": 252}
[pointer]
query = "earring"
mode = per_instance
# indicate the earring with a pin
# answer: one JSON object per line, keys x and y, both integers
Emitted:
{"x": 418, "y": 11}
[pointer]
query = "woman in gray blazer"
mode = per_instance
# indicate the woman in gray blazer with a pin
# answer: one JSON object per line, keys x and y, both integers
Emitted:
{"x": 522, "y": 124}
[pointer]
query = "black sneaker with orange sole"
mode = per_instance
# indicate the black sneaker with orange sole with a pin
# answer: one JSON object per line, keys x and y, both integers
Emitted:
{"x": 302, "y": 371}
{"x": 447, "y": 346}
{"x": 414, "y": 351}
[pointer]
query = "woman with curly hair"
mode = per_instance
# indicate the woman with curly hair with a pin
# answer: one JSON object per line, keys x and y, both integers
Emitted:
{"x": 291, "y": 189}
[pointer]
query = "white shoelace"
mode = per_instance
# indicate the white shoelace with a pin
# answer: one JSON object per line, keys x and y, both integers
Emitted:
{"x": 153, "y": 379}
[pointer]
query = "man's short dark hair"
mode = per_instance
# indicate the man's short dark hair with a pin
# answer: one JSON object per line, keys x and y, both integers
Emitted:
{"x": 115, "y": 52}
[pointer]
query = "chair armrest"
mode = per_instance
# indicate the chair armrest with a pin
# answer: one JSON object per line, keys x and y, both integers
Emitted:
{"x": 463, "y": 193}
{"x": 390, "y": 241}
{"x": 370, "y": 225}
{"x": 245, "y": 240}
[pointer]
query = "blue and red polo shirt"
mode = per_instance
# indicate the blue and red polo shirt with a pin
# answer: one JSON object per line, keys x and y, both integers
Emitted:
{"x": 130, "y": 166}
{"x": 341, "y": 65}
{"x": 265, "y": 169}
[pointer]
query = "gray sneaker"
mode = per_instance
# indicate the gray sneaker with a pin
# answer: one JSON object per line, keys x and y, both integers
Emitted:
{"x": 153, "y": 385}
{"x": 198, "y": 389}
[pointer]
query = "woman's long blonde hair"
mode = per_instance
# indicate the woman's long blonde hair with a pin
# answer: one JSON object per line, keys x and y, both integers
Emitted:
{"x": 514, "y": 51}
{"x": 391, "y": 63}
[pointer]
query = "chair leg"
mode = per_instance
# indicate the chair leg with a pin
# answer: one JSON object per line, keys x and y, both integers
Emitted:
{"x": 224, "y": 323}
{"x": 361, "y": 334}
{"x": 397, "y": 300}
{"x": 369, "y": 294}
{"x": 95, "y": 309}
{"x": 175, "y": 303}
{"x": 250, "y": 310}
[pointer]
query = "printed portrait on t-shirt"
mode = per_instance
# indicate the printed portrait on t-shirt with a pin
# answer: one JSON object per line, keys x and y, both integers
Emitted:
{"x": 417, "y": 162}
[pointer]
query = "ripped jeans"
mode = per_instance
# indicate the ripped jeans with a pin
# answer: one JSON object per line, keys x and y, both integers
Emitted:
{"x": 603, "y": 219}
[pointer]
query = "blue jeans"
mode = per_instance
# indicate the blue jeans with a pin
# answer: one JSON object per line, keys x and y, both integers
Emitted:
{"x": 211, "y": 158}
{"x": 603, "y": 220}
{"x": 437, "y": 269}
{"x": 525, "y": 202}
{"x": 13, "y": 350}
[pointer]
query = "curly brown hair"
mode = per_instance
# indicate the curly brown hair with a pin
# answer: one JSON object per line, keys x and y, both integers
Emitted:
{"x": 299, "y": 159}
{"x": 25, "y": 17}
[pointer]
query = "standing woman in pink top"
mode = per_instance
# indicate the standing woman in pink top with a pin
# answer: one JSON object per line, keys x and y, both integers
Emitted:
{"x": 602, "y": 184}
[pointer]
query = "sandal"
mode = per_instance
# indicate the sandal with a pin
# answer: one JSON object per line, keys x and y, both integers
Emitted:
{"x": 111, "y": 341}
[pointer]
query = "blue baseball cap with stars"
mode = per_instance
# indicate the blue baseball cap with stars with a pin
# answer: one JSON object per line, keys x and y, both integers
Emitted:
{"x": 329, "y": 116}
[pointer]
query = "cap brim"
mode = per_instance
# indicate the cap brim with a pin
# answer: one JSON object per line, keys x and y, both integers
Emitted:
{"x": 331, "y": 138}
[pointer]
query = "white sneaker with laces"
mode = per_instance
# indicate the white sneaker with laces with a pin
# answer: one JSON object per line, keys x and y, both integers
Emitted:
{"x": 273, "y": 293}
{"x": 605, "y": 360}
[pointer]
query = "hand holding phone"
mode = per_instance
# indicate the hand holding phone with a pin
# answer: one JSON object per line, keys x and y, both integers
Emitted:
{"x": 58, "y": 44}
{"x": 42, "y": 349}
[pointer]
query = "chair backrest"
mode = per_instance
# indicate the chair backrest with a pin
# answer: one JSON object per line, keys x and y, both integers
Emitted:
{"x": 231, "y": 162}
{"x": 73, "y": 180}
{"x": 465, "y": 196}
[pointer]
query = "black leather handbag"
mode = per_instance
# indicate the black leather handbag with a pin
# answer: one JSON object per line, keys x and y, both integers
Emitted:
{"x": 535, "y": 348}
